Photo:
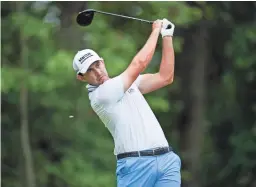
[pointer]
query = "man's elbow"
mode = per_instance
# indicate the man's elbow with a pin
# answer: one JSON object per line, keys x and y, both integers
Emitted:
{"x": 139, "y": 64}
{"x": 169, "y": 80}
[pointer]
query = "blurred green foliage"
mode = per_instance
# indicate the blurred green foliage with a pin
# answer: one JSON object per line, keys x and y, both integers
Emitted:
{"x": 78, "y": 151}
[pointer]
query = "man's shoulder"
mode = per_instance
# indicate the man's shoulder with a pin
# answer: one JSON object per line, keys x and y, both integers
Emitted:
{"x": 106, "y": 85}
{"x": 108, "y": 92}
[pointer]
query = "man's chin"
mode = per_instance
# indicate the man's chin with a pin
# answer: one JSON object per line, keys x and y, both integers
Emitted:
{"x": 98, "y": 83}
{"x": 103, "y": 79}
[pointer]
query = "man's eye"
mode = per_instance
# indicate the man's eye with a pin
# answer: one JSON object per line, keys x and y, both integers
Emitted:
{"x": 97, "y": 65}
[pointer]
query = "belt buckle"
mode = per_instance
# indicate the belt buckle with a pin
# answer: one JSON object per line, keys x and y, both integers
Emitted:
{"x": 158, "y": 151}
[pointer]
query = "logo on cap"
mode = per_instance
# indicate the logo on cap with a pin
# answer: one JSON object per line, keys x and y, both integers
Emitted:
{"x": 83, "y": 58}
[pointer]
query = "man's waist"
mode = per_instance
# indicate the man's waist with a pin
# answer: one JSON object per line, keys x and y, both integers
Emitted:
{"x": 131, "y": 146}
{"x": 149, "y": 152}
{"x": 136, "y": 140}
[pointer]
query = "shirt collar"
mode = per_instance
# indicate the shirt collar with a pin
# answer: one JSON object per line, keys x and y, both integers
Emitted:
{"x": 91, "y": 88}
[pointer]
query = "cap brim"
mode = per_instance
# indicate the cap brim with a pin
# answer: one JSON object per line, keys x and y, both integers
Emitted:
{"x": 88, "y": 64}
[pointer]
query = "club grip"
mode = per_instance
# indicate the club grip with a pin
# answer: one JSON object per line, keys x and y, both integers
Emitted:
{"x": 168, "y": 27}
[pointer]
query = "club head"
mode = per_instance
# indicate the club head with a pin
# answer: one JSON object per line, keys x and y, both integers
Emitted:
{"x": 85, "y": 17}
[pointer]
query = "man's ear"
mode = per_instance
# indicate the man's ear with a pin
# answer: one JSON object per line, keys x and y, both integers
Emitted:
{"x": 80, "y": 77}
{"x": 102, "y": 60}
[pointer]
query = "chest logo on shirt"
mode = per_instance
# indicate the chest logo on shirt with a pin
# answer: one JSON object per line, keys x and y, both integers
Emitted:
{"x": 131, "y": 90}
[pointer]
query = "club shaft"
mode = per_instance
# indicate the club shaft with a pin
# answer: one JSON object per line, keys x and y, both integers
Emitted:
{"x": 127, "y": 17}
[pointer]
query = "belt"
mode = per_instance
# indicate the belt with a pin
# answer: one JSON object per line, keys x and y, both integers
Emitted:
{"x": 150, "y": 152}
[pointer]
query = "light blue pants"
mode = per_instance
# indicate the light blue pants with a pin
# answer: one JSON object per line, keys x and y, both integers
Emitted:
{"x": 149, "y": 171}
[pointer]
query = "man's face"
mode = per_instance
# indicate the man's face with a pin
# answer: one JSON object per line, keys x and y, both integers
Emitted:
{"x": 96, "y": 74}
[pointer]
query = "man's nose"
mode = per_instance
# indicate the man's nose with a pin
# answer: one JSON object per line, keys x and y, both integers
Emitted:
{"x": 97, "y": 72}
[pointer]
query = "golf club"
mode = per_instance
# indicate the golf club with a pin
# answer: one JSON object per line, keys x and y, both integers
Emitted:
{"x": 85, "y": 17}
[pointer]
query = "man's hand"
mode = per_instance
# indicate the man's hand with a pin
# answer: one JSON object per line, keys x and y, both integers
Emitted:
{"x": 157, "y": 25}
{"x": 164, "y": 30}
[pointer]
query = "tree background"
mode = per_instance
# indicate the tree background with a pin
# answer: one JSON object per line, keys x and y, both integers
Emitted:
{"x": 208, "y": 114}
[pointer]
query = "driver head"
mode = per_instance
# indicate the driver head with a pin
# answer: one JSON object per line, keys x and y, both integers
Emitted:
{"x": 85, "y": 18}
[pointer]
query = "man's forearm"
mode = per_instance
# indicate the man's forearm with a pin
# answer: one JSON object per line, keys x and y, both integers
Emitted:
{"x": 167, "y": 63}
{"x": 146, "y": 53}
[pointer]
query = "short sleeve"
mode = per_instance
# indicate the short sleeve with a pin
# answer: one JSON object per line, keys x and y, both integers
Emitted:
{"x": 110, "y": 92}
{"x": 137, "y": 81}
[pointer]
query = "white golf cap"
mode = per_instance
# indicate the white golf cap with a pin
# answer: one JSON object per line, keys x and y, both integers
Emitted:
{"x": 83, "y": 59}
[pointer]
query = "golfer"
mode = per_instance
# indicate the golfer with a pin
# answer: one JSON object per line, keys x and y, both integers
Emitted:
{"x": 144, "y": 157}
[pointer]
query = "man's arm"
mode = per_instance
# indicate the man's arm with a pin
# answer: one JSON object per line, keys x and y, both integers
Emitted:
{"x": 142, "y": 58}
{"x": 112, "y": 91}
{"x": 152, "y": 82}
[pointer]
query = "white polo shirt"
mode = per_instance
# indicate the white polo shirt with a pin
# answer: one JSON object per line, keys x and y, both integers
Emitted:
{"x": 127, "y": 116}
